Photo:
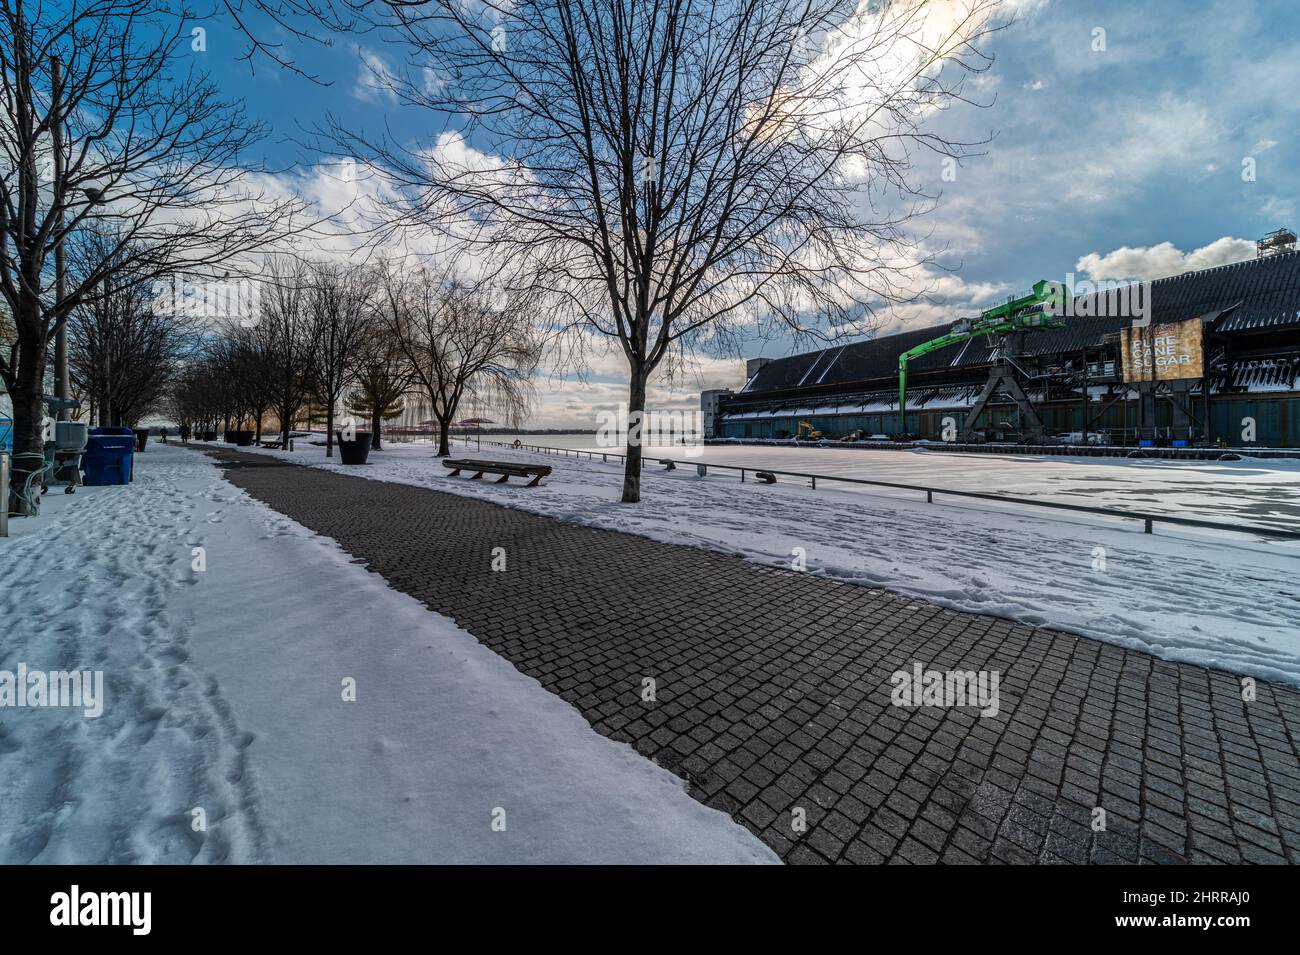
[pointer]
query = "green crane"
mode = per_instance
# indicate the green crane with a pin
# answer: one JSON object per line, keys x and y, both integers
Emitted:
{"x": 1013, "y": 315}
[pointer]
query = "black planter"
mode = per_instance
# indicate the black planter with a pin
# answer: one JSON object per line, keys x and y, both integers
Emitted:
{"x": 228, "y": 436}
{"x": 141, "y": 438}
{"x": 355, "y": 451}
{"x": 244, "y": 438}
{"x": 209, "y": 436}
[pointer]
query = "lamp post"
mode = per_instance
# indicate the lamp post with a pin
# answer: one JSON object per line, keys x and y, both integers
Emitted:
{"x": 62, "y": 380}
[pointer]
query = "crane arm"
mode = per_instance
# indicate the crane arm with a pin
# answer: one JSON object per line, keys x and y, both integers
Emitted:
{"x": 1013, "y": 315}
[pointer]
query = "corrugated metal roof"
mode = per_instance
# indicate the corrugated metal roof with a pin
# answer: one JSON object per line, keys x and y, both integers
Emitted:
{"x": 1267, "y": 374}
{"x": 858, "y": 361}
{"x": 1262, "y": 293}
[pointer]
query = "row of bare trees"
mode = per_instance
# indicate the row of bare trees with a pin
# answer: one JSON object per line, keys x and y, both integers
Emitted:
{"x": 663, "y": 176}
{"x": 676, "y": 176}
{"x": 125, "y": 345}
{"x": 329, "y": 331}
{"x": 107, "y": 127}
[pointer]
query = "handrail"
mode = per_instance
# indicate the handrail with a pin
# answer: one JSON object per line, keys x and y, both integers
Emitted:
{"x": 1149, "y": 520}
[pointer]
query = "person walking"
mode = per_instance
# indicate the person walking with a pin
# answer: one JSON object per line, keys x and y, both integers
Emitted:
{"x": 185, "y": 434}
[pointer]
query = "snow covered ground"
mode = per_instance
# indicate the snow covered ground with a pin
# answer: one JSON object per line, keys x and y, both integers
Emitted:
{"x": 1258, "y": 492}
{"x": 1230, "y": 601}
{"x": 224, "y": 692}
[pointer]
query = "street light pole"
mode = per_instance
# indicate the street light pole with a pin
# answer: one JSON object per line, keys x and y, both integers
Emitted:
{"x": 62, "y": 381}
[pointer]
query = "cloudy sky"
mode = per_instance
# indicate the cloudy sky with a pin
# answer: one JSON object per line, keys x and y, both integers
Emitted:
{"x": 1128, "y": 140}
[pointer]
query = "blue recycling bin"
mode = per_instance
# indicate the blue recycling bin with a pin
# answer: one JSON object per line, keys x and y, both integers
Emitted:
{"x": 109, "y": 457}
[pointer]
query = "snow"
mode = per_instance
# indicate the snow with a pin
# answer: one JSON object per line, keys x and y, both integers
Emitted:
{"x": 224, "y": 693}
{"x": 1224, "y": 600}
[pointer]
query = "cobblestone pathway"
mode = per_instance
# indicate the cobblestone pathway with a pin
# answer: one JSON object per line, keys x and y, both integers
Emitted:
{"x": 773, "y": 692}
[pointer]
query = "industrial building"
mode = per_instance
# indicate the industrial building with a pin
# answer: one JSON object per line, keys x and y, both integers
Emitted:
{"x": 1206, "y": 358}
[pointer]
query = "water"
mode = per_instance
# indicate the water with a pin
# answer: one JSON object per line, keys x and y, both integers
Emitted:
{"x": 582, "y": 442}
{"x": 586, "y": 442}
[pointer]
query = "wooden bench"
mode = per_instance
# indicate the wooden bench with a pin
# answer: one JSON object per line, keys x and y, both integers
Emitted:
{"x": 275, "y": 444}
{"x": 506, "y": 469}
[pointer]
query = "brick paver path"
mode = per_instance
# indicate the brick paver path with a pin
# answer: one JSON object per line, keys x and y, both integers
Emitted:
{"x": 773, "y": 692}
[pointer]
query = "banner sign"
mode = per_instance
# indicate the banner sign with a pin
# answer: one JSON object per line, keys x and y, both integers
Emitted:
{"x": 1164, "y": 352}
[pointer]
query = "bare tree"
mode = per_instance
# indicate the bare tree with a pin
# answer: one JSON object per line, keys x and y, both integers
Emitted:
{"x": 124, "y": 348}
{"x": 460, "y": 344}
{"x": 285, "y": 328}
{"x": 99, "y": 131}
{"x": 197, "y": 394}
{"x": 242, "y": 358}
{"x": 681, "y": 173}
{"x": 339, "y": 300}
{"x": 383, "y": 376}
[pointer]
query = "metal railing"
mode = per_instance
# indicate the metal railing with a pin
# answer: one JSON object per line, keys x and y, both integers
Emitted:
{"x": 1149, "y": 520}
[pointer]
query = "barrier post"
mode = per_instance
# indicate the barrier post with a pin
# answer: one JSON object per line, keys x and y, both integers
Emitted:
{"x": 4, "y": 493}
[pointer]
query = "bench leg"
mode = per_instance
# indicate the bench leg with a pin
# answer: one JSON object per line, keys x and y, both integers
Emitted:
{"x": 502, "y": 479}
{"x": 455, "y": 473}
{"x": 534, "y": 482}
{"x": 477, "y": 477}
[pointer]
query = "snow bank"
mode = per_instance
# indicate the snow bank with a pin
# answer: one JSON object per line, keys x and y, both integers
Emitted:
{"x": 224, "y": 691}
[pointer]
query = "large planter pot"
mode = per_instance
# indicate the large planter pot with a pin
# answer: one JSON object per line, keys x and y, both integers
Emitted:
{"x": 228, "y": 436}
{"x": 209, "y": 436}
{"x": 244, "y": 439}
{"x": 355, "y": 451}
{"x": 141, "y": 438}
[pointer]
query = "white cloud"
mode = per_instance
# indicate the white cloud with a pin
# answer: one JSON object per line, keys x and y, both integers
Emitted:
{"x": 375, "y": 79}
{"x": 1277, "y": 209}
{"x": 1163, "y": 259}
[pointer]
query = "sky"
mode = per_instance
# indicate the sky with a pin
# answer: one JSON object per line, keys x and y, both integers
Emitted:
{"x": 1126, "y": 141}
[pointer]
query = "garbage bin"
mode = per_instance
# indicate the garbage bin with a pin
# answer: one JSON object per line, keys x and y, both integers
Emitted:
{"x": 109, "y": 457}
{"x": 141, "y": 438}
{"x": 354, "y": 452}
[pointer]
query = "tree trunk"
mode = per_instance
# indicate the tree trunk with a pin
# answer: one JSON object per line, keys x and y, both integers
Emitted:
{"x": 635, "y": 412}
{"x": 329, "y": 430}
{"x": 29, "y": 416}
{"x": 285, "y": 424}
{"x": 443, "y": 428}
{"x": 375, "y": 421}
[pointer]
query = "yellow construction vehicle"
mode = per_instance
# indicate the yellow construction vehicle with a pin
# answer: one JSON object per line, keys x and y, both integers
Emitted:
{"x": 805, "y": 432}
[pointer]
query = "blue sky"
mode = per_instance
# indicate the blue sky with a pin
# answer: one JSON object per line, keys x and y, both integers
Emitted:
{"x": 1117, "y": 162}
